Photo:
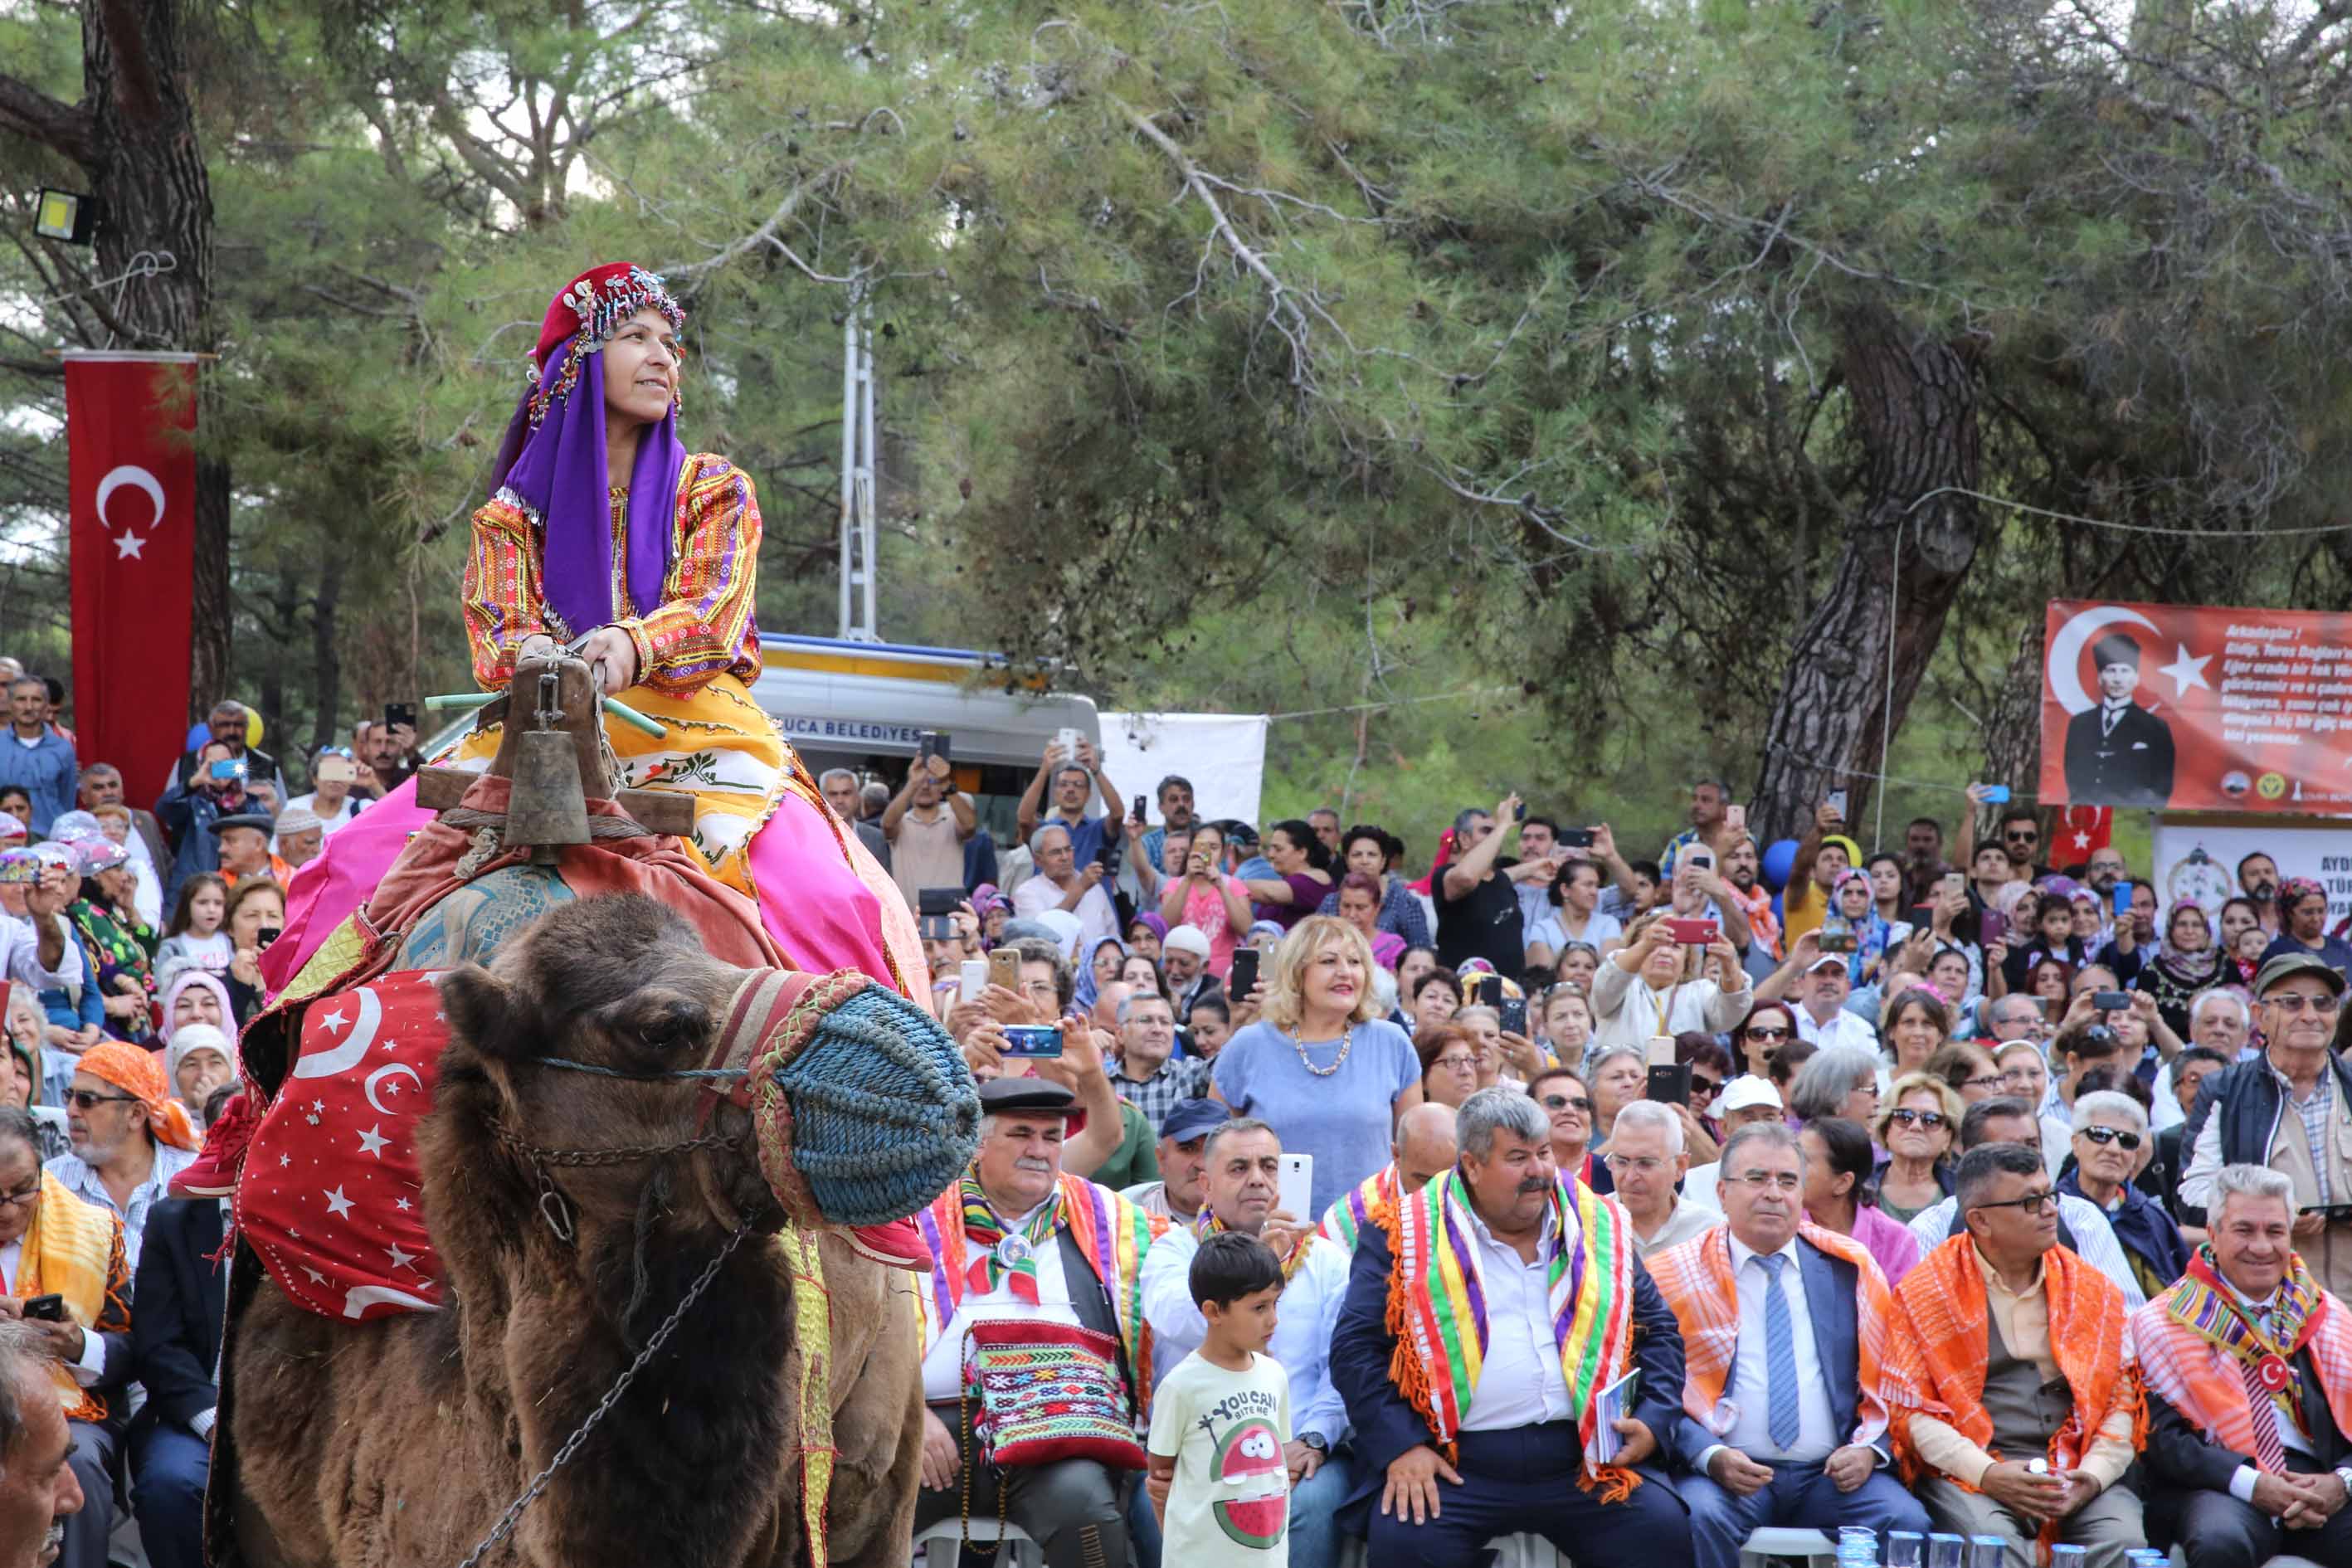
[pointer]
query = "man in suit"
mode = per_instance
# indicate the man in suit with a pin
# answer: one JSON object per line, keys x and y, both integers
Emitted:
{"x": 178, "y": 1302}
{"x": 1514, "y": 1276}
{"x": 2118, "y": 754}
{"x": 1783, "y": 1326}
{"x": 2249, "y": 1370}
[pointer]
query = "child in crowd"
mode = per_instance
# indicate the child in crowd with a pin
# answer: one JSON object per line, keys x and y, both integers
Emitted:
{"x": 1219, "y": 1483}
{"x": 195, "y": 933}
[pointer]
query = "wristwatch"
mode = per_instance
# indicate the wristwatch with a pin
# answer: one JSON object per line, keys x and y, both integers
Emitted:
{"x": 2344, "y": 1474}
{"x": 1314, "y": 1440}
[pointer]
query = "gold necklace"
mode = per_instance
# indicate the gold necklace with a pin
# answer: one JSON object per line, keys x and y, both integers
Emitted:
{"x": 1347, "y": 1043}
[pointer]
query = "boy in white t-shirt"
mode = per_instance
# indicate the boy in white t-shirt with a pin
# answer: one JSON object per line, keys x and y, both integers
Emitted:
{"x": 1219, "y": 1481}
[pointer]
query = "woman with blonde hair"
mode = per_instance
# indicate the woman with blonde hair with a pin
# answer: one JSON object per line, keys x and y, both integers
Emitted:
{"x": 1320, "y": 1064}
{"x": 1918, "y": 1129}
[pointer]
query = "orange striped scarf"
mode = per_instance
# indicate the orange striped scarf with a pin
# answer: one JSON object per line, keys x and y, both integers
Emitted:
{"x": 1942, "y": 1339}
{"x": 2200, "y": 1378}
{"x": 1696, "y": 1279}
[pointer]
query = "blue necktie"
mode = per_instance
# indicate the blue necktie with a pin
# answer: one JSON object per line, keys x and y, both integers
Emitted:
{"x": 1780, "y": 1358}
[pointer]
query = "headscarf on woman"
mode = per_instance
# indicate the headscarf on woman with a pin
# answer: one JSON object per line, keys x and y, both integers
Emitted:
{"x": 1083, "y": 998}
{"x": 140, "y": 1073}
{"x": 551, "y": 463}
{"x": 2193, "y": 970}
{"x": 199, "y": 977}
{"x": 1870, "y": 932}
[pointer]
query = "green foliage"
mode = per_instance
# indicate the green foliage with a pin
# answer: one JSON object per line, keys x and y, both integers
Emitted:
{"x": 1285, "y": 357}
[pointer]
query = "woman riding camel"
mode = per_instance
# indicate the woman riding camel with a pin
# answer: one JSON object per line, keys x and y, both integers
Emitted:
{"x": 603, "y": 531}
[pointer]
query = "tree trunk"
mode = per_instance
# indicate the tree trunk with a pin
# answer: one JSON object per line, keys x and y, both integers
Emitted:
{"x": 326, "y": 666}
{"x": 1915, "y": 410}
{"x": 134, "y": 136}
{"x": 285, "y": 607}
{"x": 2013, "y": 726}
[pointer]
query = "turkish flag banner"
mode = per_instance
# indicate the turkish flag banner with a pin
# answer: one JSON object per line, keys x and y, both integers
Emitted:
{"x": 131, "y": 424}
{"x": 2198, "y": 707}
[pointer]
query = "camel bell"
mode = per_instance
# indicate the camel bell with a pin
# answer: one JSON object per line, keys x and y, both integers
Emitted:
{"x": 547, "y": 806}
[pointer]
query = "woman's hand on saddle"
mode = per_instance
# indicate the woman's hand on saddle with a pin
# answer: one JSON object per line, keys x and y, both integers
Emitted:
{"x": 539, "y": 644}
{"x": 612, "y": 655}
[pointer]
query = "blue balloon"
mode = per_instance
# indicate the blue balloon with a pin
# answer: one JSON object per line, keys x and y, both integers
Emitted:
{"x": 1780, "y": 857}
{"x": 199, "y": 735}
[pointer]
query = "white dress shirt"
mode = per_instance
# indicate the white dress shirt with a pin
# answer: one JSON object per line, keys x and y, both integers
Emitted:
{"x": 1750, "y": 1391}
{"x": 1302, "y": 1331}
{"x": 1843, "y": 1029}
{"x": 20, "y": 955}
{"x": 1520, "y": 1383}
{"x": 943, "y": 1359}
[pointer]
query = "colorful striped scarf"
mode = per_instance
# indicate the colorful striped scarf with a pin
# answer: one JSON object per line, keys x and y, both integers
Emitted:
{"x": 985, "y": 1229}
{"x": 1366, "y": 1205}
{"x": 1113, "y": 1235}
{"x": 1941, "y": 1347}
{"x": 2193, "y": 1340}
{"x": 1696, "y": 1280}
{"x": 1209, "y": 1225}
{"x": 1437, "y": 1310}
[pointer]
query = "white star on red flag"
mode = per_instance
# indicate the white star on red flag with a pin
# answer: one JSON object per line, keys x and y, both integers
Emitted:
{"x": 373, "y": 1140}
{"x": 128, "y": 545}
{"x": 338, "y": 1205}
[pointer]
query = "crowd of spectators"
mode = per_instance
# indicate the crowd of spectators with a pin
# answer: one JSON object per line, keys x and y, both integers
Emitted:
{"x": 130, "y": 941}
{"x": 1975, "y": 1125}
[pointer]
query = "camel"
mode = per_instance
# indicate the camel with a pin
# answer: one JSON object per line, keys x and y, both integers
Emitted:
{"x": 401, "y": 1441}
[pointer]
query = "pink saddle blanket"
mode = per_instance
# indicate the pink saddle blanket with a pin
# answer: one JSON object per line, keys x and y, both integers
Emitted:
{"x": 332, "y": 1196}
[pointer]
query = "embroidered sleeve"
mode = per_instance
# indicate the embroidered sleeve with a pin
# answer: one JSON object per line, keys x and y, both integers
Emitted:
{"x": 500, "y": 592}
{"x": 705, "y": 624}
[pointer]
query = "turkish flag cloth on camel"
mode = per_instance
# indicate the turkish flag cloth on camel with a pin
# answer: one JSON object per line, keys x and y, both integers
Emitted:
{"x": 331, "y": 1195}
{"x": 131, "y": 424}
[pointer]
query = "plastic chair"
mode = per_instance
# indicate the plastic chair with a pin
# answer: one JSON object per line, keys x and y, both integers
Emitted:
{"x": 1768, "y": 1542}
{"x": 948, "y": 1533}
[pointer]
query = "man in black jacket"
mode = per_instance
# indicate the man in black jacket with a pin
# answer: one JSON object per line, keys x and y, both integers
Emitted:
{"x": 2248, "y": 1363}
{"x": 2118, "y": 754}
{"x": 176, "y": 1329}
{"x": 2289, "y": 1109}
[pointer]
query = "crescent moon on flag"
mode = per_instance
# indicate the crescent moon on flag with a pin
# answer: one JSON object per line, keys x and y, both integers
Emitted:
{"x": 131, "y": 474}
{"x": 381, "y": 1073}
{"x": 2064, "y": 664}
{"x": 360, "y": 1298}
{"x": 347, "y": 1056}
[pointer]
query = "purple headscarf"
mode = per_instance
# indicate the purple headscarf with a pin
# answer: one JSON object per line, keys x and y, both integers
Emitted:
{"x": 552, "y": 463}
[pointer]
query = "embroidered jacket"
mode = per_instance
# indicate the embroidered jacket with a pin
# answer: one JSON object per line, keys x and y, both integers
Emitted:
{"x": 702, "y": 628}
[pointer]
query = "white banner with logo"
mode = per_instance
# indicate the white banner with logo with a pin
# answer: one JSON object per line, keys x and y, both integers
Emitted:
{"x": 2197, "y": 858}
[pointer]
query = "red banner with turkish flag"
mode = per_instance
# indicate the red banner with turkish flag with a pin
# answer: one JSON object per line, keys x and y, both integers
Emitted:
{"x": 130, "y": 426}
{"x": 2198, "y": 707}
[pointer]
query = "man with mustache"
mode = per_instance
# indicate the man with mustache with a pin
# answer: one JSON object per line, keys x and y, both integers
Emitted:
{"x": 1522, "y": 1303}
{"x": 1019, "y": 1239}
{"x": 1784, "y": 1327}
{"x": 38, "y": 1488}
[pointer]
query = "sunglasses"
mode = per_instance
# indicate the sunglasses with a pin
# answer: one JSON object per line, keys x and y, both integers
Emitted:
{"x": 2126, "y": 1141}
{"x": 2031, "y": 1203}
{"x": 2293, "y": 1001}
{"x": 1930, "y": 1119}
{"x": 2023, "y": 838}
{"x": 1768, "y": 1033}
{"x": 1709, "y": 1087}
{"x": 83, "y": 1099}
{"x": 1563, "y": 1102}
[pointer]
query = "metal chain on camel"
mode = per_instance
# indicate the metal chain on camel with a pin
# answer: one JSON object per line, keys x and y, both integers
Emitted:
{"x": 513, "y": 1515}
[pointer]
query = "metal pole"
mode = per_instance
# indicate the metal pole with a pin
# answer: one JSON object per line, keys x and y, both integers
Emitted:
{"x": 870, "y": 470}
{"x": 848, "y": 453}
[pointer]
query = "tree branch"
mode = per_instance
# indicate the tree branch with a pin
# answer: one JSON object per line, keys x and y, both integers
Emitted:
{"x": 65, "y": 128}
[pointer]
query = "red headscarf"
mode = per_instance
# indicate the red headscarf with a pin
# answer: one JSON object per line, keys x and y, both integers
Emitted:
{"x": 135, "y": 1070}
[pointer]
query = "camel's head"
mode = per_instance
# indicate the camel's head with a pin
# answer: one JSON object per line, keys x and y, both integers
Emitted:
{"x": 588, "y": 1042}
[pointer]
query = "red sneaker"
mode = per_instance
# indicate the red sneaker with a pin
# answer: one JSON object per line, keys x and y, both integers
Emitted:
{"x": 214, "y": 1173}
{"x": 898, "y": 1245}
